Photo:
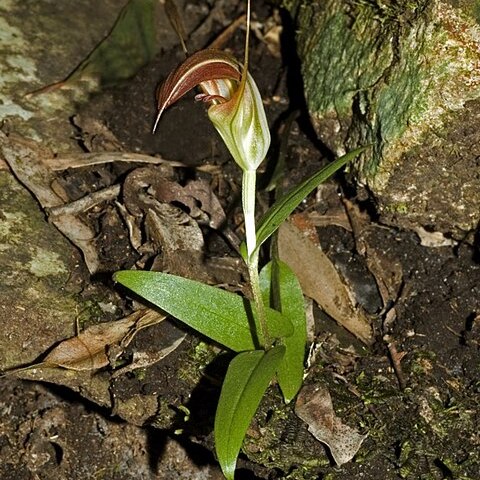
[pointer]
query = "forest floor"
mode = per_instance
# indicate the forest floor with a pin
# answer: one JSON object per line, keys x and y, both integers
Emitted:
{"x": 415, "y": 391}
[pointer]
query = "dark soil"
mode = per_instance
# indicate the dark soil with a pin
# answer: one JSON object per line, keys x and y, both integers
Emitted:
{"x": 422, "y": 417}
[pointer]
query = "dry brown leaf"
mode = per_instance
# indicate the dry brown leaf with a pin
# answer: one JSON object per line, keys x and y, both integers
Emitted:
{"x": 89, "y": 349}
{"x": 143, "y": 319}
{"x": 178, "y": 237}
{"x": 335, "y": 217}
{"x": 152, "y": 205}
{"x": 321, "y": 281}
{"x": 146, "y": 359}
{"x": 314, "y": 406}
{"x": 147, "y": 194}
{"x": 25, "y": 158}
{"x": 308, "y": 229}
{"x": 382, "y": 265}
{"x": 135, "y": 233}
{"x": 197, "y": 196}
{"x": 85, "y": 203}
{"x": 433, "y": 239}
{"x": 202, "y": 192}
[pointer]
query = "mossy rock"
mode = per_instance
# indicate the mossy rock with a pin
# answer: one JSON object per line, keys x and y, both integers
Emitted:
{"x": 44, "y": 286}
{"x": 36, "y": 298}
{"x": 402, "y": 76}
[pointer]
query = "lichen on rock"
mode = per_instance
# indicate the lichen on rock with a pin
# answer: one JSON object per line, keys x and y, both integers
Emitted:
{"x": 402, "y": 76}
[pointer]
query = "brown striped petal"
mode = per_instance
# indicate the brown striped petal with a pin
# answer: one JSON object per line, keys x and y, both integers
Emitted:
{"x": 203, "y": 66}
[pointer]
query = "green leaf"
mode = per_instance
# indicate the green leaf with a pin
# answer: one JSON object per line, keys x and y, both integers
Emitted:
{"x": 130, "y": 45}
{"x": 247, "y": 379}
{"x": 220, "y": 315}
{"x": 283, "y": 207}
{"x": 281, "y": 289}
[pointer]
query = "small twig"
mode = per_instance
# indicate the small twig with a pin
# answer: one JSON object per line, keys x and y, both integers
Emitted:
{"x": 46, "y": 89}
{"x": 225, "y": 36}
{"x": 232, "y": 238}
{"x": 358, "y": 224}
{"x": 63, "y": 162}
{"x": 177, "y": 22}
{"x": 396, "y": 358}
{"x": 86, "y": 202}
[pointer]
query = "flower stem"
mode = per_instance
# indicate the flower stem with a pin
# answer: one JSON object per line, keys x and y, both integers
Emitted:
{"x": 248, "y": 203}
{"x": 261, "y": 320}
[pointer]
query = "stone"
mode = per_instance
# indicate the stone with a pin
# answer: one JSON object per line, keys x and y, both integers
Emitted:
{"x": 405, "y": 77}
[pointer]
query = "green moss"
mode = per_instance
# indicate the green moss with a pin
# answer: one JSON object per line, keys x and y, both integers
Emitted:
{"x": 412, "y": 434}
{"x": 204, "y": 353}
{"x": 476, "y": 11}
{"x": 338, "y": 53}
{"x": 36, "y": 263}
{"x": 396, "y": 208}
{"x": 422, "y": 362}
{"x": 165, "y": 415}
{"x": 201, "y": 354}
{"x": 28, "y": 245}
{"x": 89, "y": 314}
{"x": 468, "y": 7}
{"x": 140, "y": 374}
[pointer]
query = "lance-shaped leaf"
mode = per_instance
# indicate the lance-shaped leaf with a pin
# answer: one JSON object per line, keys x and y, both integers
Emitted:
{"x": 283, "y": 207}
{"x": 220, "y": 315}
{"x": 281, "y": 290}
{"x": 247, "y": 378}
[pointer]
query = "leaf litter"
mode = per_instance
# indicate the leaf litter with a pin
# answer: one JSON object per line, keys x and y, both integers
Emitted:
{"x": 321, "y": 281}
{"x": 314, "y": 406}
{"x": 382, "y": 262}
{"x": 91, "y": 349}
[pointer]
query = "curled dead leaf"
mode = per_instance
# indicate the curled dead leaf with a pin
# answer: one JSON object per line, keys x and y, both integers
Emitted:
{"x": 321, "y": 281}
{"x": 89, "y": 350}
{"x": 314, "y": 406}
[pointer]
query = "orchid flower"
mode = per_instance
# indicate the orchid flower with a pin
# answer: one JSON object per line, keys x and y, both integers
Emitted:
{"x": 236, "y": 110}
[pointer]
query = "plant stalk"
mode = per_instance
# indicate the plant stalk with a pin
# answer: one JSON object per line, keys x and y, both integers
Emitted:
{"x": 261, "y": 323}
{"x": 248, "y": 203}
